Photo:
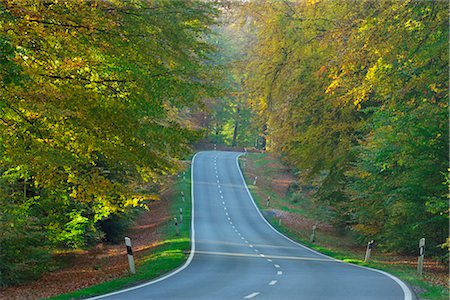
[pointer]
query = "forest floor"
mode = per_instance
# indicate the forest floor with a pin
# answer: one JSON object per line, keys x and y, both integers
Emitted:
{"x": 101, "y": 264}
{"x": 295, "y": 216}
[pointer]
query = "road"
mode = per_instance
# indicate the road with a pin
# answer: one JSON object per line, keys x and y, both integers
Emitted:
{"x": 238, "y": 255}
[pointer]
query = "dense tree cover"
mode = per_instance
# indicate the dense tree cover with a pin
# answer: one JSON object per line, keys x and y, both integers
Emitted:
{"x": 91, "y": 101}
{"x": 355, "y": 93}
{"x": 227, "y": 118}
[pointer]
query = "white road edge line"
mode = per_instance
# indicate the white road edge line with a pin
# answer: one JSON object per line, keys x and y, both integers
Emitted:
{"x": 188, "y": 261}
{"x": 407, "y": 292}
{"x": 251, "y": 295}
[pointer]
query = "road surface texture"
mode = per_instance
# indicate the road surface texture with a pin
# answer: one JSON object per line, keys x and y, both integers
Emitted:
{"x": 238, "y": 255}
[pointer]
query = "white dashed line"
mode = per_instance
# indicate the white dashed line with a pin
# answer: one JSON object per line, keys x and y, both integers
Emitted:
{"x": 273, "y": 282}
{"x": 251, "y": 246}
{"x": 229, "y": 219}
{"x": 223, "y": 202}
{"x": 262, "y": 255}
{"x": 218, "y": 181}
{"x": 221, "y": 196}
{"x": 242, "y": 237}
{"x": 279, "y": 273}
{"x": 220, "y": 191}
{"x": 256, "y": 250}
{"x": 276, "y": 266}
{"x": 225, "y": 208}
{"x": 239, "y": 234}
{"x": 269, "y": 260}
{"x": 246, "y": 242}
{"x": 251, "y": 295}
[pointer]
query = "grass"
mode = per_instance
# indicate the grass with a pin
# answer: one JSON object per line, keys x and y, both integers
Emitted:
{"x": 339, "y": 247}
{"x": 167, "y": 256}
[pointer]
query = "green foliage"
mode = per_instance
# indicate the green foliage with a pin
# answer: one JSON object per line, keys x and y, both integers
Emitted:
{"x": 92, "y": 97}
{"x": 354, "y": 94}
{"x": 116, "y": 225}
{"x": 23, "y": 255}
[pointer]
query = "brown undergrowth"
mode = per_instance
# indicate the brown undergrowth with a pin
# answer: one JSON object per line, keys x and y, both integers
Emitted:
{"x": 101, "y": 263}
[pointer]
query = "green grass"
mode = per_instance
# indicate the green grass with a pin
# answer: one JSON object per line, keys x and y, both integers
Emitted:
{"x": 169, "y": 255}
{"x": 339, "y": 248}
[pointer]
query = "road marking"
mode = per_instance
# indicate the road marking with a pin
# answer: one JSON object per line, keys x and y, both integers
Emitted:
{"x": 406, "y": 291}
{"x": 251, "y": 295}
{"x": 223, "y": 202}
{"x": 269, "y": 260}
{"x": 239, "y": 233}
{"x": 273, "y": 282}
{"x": 220, "y": 191}
{"x": 279, "y": 273}
{"x": 276, "y": 266}
{"x": 242, "y": 238}
{"x": 231, "y": 223}
{"x": 256, "y": 250}
{"x": 246, "y": 242}
{"x": 251, "y": 246}
{"x": 221, "y": 196}
{"x": 233, "y": 227}
{"x": 262, "y": 255}
{"x": 224, "y": 208}
{"x": 218, "y": 181}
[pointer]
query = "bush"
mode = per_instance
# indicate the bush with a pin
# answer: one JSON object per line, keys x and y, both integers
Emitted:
{"x": 23, "y": 255}
{"x": 116, "y": 225}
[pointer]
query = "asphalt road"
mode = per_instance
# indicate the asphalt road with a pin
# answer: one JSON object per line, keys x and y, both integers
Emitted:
{"x": 238, "y": 255}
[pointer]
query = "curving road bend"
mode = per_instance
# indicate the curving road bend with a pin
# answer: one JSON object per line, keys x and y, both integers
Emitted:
{"x": 238, "y": 255}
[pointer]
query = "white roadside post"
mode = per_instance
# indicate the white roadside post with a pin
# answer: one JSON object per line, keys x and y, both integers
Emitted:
{"x": 421, "y": 256}
{"x": 176, "y": 226}
{"x": 268, "y": 201}
{"x": 130, "y": 255}
{"x": 184, "y": 176}
{"x": 215, "y": 146}
{"x": 312, "y": 239}
{"x": 182, "y": 196}
{"x": 181, "y": 215}
{"x": 254, "y": 181}
{"x": 368, "y": 251}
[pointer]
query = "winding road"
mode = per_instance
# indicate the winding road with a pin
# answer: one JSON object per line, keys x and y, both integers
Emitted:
{"x": 236, "y": 254}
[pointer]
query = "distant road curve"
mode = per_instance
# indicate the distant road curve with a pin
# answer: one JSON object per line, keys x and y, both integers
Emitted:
{"x": 236, "y": 254}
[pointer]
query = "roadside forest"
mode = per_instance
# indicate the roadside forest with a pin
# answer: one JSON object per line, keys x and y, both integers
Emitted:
{"x": 354, "y": 96}
{"x": 100, "y": 101}
{"x": 95, "y": 106}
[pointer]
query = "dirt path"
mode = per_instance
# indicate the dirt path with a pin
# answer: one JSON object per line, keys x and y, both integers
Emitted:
{"x": 99, "y": 264}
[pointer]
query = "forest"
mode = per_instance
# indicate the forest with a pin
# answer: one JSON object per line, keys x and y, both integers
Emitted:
{"x": 100, "y": 101}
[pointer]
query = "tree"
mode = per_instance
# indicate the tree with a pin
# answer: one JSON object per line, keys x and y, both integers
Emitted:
{"x": 91, "y": 100}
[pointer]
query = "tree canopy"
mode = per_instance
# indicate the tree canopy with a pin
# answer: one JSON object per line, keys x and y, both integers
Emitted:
{"x": 355, "y": 93}
{"x": 90, "y": 112}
